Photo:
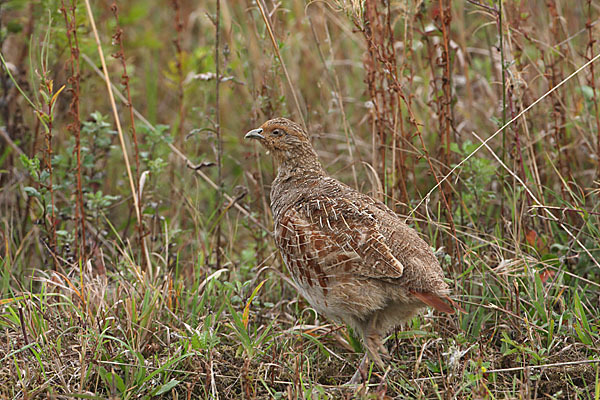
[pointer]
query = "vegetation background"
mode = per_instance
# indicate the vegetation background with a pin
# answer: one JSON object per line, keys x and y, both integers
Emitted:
{"x": 151, "y": 272}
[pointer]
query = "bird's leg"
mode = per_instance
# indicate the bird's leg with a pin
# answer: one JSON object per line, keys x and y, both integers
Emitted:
{"x": 374, "y": 343}
{"x": 383, "y": 350}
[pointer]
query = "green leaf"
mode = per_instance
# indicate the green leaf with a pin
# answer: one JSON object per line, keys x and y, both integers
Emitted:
{"x": 199, "y": 343}
{"x": 583, "y": 334}
{"x": 240, "y": 328}
{"x": 246, "y": 314}
{"x": 110, "y": 379}
{"x": 454, "y": 147}
{"x": 166, "y": 387}
{"x": 587, "y": 92}
{"x": 32, "y": 192}
{"x": 550, "y": 333}
{"x": 118, "y": 382}
{"x": 539, "y": 302}
{"x": 165, "y": 367}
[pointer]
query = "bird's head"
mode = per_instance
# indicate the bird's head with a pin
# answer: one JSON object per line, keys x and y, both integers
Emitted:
{"x": 287, "y": 141}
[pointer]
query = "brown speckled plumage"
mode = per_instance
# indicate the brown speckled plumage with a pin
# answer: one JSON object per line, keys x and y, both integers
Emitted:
{"x": 350, "y": 256}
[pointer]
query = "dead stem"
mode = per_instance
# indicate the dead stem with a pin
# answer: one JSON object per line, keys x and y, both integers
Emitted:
{"x": 179, "y": 66}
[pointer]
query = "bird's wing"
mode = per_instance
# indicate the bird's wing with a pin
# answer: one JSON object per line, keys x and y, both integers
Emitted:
{"x": 312, "y": 257}
{"x": 355, "y": 230}
{"x": 323, "y": 238}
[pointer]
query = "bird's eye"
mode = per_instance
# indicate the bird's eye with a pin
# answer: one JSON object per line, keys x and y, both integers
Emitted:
{"x": 277, "y": 132}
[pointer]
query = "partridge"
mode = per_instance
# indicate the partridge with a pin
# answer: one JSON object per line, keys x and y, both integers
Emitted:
{"x": 351, "y": 257}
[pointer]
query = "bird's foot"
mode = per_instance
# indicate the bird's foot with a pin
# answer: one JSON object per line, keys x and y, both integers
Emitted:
{"x": 376, "y": 350}
{"x": 384, "y": 352}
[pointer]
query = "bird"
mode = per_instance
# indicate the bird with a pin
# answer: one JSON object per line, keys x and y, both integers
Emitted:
{"x": 350, "y": 256}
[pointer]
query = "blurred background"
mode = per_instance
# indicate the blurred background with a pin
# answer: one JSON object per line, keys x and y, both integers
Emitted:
{"x": 397, "y": 97}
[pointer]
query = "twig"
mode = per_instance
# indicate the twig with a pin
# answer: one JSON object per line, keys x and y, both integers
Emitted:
{"x": 560, "y": 364}
{"x": 445, "y": 114}
{"x": 22, "y": 319}
{"x": 48, "y": 126}
{"x": 565, "y": 209}
{"x": 12, "y": 144}
{"x": 485, "y": 6}
{"x": 503, "y": 72}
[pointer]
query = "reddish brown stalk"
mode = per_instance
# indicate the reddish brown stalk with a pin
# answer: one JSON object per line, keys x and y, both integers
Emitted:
{"x": 75, "y": 126}
{"x": 398, "y": 119}
{"x": 443, "y": 101}
{"x": 514, "y": 109}
{"x": 378, "y": 55}
{"x": 380, "y": 66}
{"x": 517, "y": 93}
{"x": 267, "y": 19}
{"x": 179, "y": 65}
{"x": 443, "y": 104}
{"x": 120, "y": 55}
{"x": 372, "y": 33}
{"x": 50, "y": 187}
{"x": 515, "y": 129}
{"x": 592, "y": 82}
{"x": 556, "y": 76}
{"x": 47, "y": 117}
{"x": 335, "y": 82}
{"x": 24, "y": 330}
{"x": 402, "y": 160}
{"x": 34, "y": 150}
{"x": 445, "y": 110}
{"x": 406, "y": 166}
{"x": 525, "y": 220}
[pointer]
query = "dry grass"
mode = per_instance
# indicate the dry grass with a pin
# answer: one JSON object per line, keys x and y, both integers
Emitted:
{"x": 481, "y": 124}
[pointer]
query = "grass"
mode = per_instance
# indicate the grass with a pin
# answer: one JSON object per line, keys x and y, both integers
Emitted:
{"x": 191, "y": 299}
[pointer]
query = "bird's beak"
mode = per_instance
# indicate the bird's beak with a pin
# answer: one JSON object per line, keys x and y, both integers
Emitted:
{"x": 254, "y": 134}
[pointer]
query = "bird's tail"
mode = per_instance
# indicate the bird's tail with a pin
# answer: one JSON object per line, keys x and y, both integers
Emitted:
{"x": 437, "y": 302}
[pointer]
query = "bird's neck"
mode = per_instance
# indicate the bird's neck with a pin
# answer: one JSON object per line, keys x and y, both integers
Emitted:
{"x": 294, "y": 178}
{"x": 302, "y": 163}
{"x": 300, "y": 170}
